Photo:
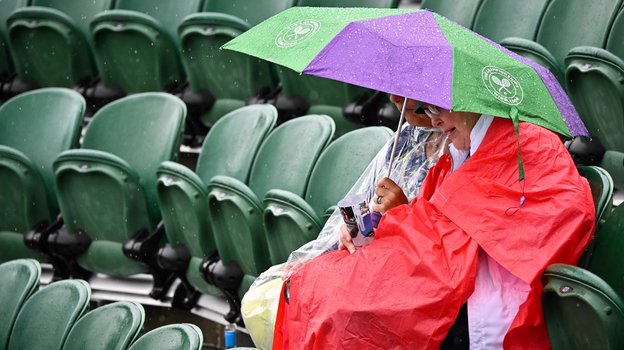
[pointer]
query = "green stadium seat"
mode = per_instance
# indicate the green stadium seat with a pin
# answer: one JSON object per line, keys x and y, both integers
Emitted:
{"x": 584, "y": 307}
{"x": 461, "y": 12}
{"x": 231, "y": 78}
{"x": 566, "y": 24}
{"x": 581, "y": 310}
{"x": 20, "y": 279}
{"x": 500, "y": 19}
{"x": 51, "y": 42}
{"x": 47, "y": 317}
{"x": 107, "y": 189}
{"x": 284, "y": 161}
{"x": 35, "y": 127}
{"x": 305, "y": 94}
{"x": 181, "y": 336}
{"x": 229, "y": 150}
{"x": 607, "y": 261}
{"x": 6, "y": 61}
{"x": 136, "y": 44}
{"x": 110, "y": 327}
{"x": 593, "y": 76}
{"x": 291, "y": 220}
{"x": 601, "y": 186}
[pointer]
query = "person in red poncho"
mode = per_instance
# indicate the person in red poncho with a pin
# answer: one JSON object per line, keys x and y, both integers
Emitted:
{"x": 475, "y": 235}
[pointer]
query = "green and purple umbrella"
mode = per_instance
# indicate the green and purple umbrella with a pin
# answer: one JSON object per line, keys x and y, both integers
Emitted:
{"x": 417, "y": 54}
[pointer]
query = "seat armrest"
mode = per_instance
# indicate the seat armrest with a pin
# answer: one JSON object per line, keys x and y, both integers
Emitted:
{"x": 214, "y": 19}
{"x": 220, "y": 186}
{"x": 32, "y": 15}
{"x": 170, "y": 172}
{"x": 594, "y": 54}
{"x": 281, "y": 202}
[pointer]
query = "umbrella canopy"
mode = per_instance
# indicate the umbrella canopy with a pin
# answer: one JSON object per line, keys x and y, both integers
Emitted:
{"x": 416, "y": 54}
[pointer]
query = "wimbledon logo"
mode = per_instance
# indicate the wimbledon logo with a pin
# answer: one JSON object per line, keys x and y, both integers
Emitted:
{"x": 502, "y": 85}
{"x": 297, "y": 32}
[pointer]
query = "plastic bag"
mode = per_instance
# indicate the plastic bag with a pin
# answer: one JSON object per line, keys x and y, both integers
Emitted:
{"x": 259, "y": 305}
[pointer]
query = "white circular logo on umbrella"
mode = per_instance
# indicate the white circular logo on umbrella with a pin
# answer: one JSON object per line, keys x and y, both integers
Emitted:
{"x": 297, "y": 32}
{"x": 502, "y": 85}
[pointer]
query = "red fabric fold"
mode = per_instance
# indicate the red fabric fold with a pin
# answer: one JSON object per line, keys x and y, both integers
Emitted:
{"x": 405, "y": 289}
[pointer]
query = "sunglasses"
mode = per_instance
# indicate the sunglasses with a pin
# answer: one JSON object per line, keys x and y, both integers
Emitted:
{"x": 430, "y": 111}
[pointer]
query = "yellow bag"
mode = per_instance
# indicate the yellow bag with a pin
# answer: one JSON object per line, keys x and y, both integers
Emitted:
{"x": 259, "y": 309}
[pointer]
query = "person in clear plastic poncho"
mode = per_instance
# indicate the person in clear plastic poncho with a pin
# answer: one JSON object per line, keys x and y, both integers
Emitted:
{"x": 418, "y": 148}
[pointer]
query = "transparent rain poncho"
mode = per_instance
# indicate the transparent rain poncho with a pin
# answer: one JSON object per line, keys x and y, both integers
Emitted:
{"x": 411, "y": 164}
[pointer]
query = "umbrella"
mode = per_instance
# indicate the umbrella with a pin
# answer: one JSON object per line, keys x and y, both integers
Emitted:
{"x": 417, "y": 54}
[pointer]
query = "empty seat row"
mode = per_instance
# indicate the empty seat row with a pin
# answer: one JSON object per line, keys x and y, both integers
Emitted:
{"x": 120, "y": 206}
{"x": 57, "y": 317}
{"x": 135, "y": 46}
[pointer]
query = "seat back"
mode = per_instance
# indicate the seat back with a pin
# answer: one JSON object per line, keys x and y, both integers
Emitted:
{"x": 229, "y": 149}
{"x": 463, "y": 12}
{"x": 108, "y": 189}
{"x": 20, "y": 279}
{"x": 285, "y": 160}
{"x": 289, "y": 222}
{"x": 607, "y": 261}
{"x": 144, "y": 130}
{"x": 349, "y": 3}
{"x": 52, "y": 43}
{"x": 581, "y": 310}
{"x": 37, "y": 126}
{"x": 615, "y": 44}
{"x": 110, "y": 327}
{"x": 137, "y": 45}
{"x": 341, "y": 164}
{"x": 6, "y": 61}
{"x": 570, "y": 23}
{"x": 325, "y": 96}
{"x": 47, "y": 317}
{"x": 252, "y": 12}
{"x": 181, "y": 336}
{"x": 500, "y": 19}
{"x": 601, "y": 186}
{"x": 81, "y": 12}
{"x": 231, "y": 77}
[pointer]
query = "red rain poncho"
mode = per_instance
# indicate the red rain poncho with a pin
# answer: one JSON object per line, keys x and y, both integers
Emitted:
{"x": 404, "y": 290}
